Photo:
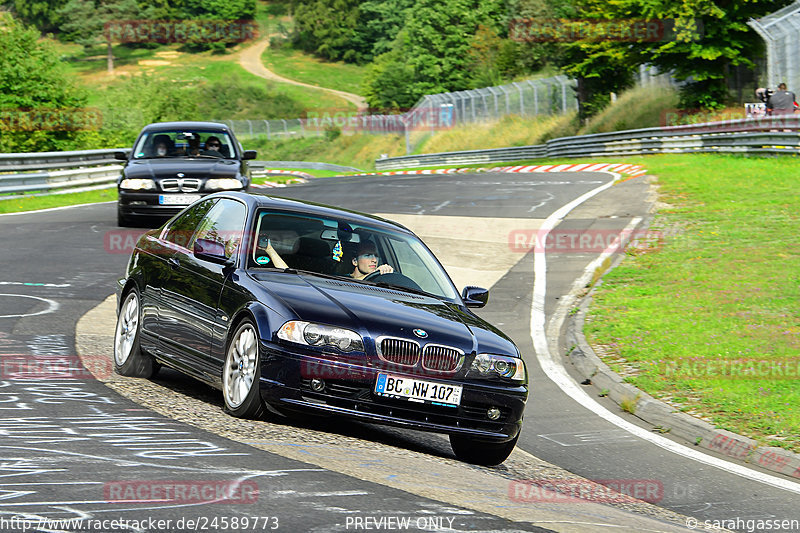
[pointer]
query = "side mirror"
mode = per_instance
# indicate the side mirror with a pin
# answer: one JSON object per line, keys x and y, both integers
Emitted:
{"x": 209, "y": 250}
{"x": 475, "y": 296}
{"x": 122, "y": 156}
{"x": 249, "y": 154}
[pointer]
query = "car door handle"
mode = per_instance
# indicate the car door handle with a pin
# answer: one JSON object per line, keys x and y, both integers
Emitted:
{"x": 173, "y": 263}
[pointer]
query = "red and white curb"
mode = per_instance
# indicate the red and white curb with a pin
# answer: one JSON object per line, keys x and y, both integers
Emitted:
{"x": 630, "y": 170}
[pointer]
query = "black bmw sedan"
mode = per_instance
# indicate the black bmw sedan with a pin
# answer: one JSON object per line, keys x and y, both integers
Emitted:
{"x": 173, "y": 164}
{"x": 295, "y": 307}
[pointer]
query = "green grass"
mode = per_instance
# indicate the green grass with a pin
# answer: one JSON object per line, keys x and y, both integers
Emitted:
{"x": 296, "y": 65}
{"x": 642, "y": 107}
{"x": 33, "y": 203}
{"x": 723, "y": 285}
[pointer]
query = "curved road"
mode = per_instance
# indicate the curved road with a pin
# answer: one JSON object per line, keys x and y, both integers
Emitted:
{"x": 62, "y": 263}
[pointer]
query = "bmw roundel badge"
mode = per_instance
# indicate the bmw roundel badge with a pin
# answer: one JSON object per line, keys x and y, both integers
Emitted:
{"x": 421, "y": 333}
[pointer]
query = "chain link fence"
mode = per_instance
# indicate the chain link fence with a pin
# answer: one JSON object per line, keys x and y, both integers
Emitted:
{"x": 432, "y": 113}
{"x": 780, "y": 31}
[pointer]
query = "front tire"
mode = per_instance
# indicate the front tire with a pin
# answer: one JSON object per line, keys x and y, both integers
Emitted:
{"x": 129, "y": 359}
{"x": 481, "y": 453}
{"x": 240, "y": 376}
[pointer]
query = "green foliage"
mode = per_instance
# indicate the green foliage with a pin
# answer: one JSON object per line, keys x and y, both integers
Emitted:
{"x": 140, "y": 100}
{"x": 709, "y": 38}
{"x": 32, "y": 78}
{"x": 379, "y": 23}
{"x": 83, "y": 21}
{"x": 328, "y": 28}
{"x": 385, "y": 84}
{"x": 432, "y": 53}
{"x": 40, "y": 13}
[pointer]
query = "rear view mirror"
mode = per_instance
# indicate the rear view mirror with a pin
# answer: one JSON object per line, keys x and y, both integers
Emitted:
{"x": 122, "y": 156}
{"x": 475, "y": 296}
{"x": 210, "y": 251}
{"x": 249, "y": 154}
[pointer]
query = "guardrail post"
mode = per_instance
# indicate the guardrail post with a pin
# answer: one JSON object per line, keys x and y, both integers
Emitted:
{"x": 285, "y": 127}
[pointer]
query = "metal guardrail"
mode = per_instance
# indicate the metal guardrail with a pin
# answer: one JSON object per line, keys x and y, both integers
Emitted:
{"x": 770, "y": 135}
{"x": 302, "y": 164}
{"x": 59, "y": 171}
{"x": 59, "y": 179}
{"x": 54, "y": 171}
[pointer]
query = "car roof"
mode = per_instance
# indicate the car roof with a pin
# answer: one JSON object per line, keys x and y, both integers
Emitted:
{"x": 311, "y": 208}
{"x": 185, "y": 125}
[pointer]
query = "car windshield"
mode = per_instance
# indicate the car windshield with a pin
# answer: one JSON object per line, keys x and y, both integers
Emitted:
{"x": 193, "y": 143}
{"x": 331, "y": 247}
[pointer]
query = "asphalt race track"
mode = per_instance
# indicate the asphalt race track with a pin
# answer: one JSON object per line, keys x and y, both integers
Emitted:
{"x": 73, "y": 448}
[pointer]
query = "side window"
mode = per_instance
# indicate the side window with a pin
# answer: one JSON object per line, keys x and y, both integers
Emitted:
{"x": 181, "y": 230}
{"x": 412, "y": 266}
{"x": 224, "y": 225}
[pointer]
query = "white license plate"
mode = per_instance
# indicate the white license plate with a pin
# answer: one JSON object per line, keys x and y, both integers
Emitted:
{"x": 418, "y": 390}
{"x": 178, "y": 199}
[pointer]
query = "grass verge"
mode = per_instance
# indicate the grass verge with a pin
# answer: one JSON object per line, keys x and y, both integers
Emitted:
{"x": 709, "y": 318}
{"x": 298, "y": 66}
{"x": 21, "y": 203}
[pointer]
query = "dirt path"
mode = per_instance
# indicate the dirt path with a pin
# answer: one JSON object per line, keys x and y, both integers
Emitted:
{"x": 250, "y": 59}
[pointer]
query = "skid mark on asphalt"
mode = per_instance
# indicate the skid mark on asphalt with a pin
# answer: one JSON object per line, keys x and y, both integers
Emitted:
{"x": 588, "y": 438}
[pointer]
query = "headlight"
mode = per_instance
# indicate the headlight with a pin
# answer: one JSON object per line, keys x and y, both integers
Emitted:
{"x": 135, "y": 184}
{"x": 319, "y": 335}
{"x": 489, "y": 365}
{"x": 220, "y": 184}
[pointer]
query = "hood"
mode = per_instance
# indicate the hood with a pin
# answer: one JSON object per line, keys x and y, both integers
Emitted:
{"x": 190, "y": 168}
{"x": 377, "y": 311}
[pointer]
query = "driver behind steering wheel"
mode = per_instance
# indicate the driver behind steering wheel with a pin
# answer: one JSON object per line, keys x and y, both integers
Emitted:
{"x": 366, "y": 262}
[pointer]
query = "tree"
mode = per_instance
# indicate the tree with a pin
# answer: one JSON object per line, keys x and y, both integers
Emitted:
{"x": 41, "y": 13}
{"x": 33, "y": 83}
{"x": 379, "y": 23}
{"x": 327, "y": 28}
{"x": 710, "y": 36}
{"x": 85, "y": 21}
{"x": 432, "y": 51}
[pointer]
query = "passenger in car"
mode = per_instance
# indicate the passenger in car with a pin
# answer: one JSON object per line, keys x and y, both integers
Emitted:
{"x": 213, "y": 147}
{"x": 366, "y": 261}
{"x": 272, "y": 254}
{"x": 162, "y": 146}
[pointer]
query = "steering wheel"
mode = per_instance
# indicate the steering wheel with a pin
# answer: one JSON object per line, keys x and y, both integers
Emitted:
{"x": 372, "y": 275}
{"x": 393, "y": 278}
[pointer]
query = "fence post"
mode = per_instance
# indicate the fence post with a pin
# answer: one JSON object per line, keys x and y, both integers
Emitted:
{"x": 285, "y": 127}
{"x": 521, "y": 99}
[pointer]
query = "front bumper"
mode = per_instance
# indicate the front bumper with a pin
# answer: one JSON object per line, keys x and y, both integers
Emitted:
{"x": 349, "y": 391}
{"x": 146, "y": 204}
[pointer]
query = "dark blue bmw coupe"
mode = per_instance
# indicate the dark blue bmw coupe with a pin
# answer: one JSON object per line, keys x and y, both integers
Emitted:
{"x": 292, "y": 307}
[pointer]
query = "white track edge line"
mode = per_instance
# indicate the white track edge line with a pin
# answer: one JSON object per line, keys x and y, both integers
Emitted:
{"x": 558, "y": 374}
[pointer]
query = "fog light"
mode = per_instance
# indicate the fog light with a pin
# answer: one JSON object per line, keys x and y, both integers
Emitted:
{"x": 317, "y": 385}
{"x": 493, "y": 413}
